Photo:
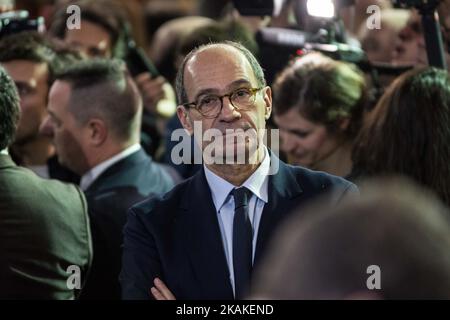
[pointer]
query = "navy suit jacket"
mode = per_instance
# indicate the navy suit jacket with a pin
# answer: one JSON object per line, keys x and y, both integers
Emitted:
{"x": 122, "y": 185}
{"x": 177, "y": 237}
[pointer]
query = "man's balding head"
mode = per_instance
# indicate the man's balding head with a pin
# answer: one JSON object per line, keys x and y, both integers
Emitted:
{"x": 225, "y": 46}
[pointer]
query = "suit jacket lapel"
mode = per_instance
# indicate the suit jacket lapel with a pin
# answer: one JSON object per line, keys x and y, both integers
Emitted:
{"x": 204, "y": 241}
{"x": 283, "y": 187}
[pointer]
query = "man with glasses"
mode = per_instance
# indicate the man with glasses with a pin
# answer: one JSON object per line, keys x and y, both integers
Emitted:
{"x": 202, "y": 239}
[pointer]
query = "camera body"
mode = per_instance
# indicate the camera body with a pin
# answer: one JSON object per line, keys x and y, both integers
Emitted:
{"x": 17, "y": 21}
{"x": 138, "y": 62}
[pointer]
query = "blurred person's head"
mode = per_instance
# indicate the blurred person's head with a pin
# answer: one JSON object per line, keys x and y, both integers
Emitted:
{"x": 101, "y": 33}
{"x": 444, "y": 17}
{"x": 393, "y": 242}
{"x": 318, "y": 106}
{"x": 408, "y": 131}
{"x": 222, "y": 87}
{"x": 355, "y": 16}
{"x": 94, "y": 113}
{"x": 6, "y": 5}
{"x": 163, "y": 48}
{"x": 9, "y": 109}
{"x": 411, "y": 47}
{"x": 216, "y": 31}
{"x": 30, "y": 60}
{"x": 379, "y": 44}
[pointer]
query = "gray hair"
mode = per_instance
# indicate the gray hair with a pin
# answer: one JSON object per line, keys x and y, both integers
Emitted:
{"x": 103, "y": 88}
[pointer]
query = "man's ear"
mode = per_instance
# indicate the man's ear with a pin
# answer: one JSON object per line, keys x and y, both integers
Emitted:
{"x": 185, "y": 119}
{"x": 267, "y": 95}
{"x": 97, "y": 132}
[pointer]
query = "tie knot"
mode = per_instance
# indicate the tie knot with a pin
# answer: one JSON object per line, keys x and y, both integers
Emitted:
{"x": 241, "y": 197}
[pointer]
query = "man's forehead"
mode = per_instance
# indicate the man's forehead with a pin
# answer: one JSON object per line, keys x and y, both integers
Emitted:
{"x": 217, "y": 52}
{"x": 216, "y": 57}
{"x": 59, "y": 98}
{"x": 60, "y": 89}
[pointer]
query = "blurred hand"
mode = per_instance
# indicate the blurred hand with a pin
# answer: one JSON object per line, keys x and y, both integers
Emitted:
{"x": 158, "y": 94}
{"x": 160, "y": 291}
{"x": 151, "y": 89}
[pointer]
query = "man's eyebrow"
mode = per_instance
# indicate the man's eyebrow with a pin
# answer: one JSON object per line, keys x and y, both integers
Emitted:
{"x": 235, "y": 84}
{"x": 205, "y": 92}
{"x": 239, "y": 82}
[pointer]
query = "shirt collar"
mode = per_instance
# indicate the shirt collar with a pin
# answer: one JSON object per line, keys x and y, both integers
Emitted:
{"x": 89, "y": 177}
{"x": 257, "y": 183}
{"x": 4, "y": 151}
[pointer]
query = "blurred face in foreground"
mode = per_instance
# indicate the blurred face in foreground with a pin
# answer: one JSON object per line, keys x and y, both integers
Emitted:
{"x": 306, "y": 143}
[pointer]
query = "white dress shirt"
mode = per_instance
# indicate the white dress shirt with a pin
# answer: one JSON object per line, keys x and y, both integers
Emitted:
{"x": 257, "y": 183}
{"x": 4, "y": 151}
{"x": 89, "y": 177}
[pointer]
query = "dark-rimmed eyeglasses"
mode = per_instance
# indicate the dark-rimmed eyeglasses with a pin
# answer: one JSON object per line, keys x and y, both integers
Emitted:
{"x": 210, "y": 105}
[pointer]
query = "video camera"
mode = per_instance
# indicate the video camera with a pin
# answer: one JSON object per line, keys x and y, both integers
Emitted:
{"x": 138, "y": 61}
{"x": 319, "y": 28}
{"x": 17, "y": 21}
{"x": 322, "y": 30}
{"x": 328, "y": 33}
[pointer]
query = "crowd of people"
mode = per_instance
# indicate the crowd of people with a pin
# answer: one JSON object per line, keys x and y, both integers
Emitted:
{"x": 159, "y": 182}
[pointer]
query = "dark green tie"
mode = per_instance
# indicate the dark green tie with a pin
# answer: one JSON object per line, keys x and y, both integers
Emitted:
{"x": 242, "y": 242}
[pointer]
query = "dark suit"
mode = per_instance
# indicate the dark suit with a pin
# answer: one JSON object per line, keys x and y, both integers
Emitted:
{"x": 61, "y": 173}
{"x": 122, "y": 185}
{"x": 177, "y": 237}
{"x": 44, "y": 229}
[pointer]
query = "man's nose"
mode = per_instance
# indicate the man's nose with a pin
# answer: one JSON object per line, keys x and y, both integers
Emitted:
{"x": 229, "y": 112}
{"x": 405, "y": 34}
{"x": 46, "y": 127}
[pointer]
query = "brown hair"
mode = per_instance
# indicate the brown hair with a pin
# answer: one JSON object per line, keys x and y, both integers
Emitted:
{"x": 325, "y": 91}
{"x": 408, "y": 132}
{"x": 324, "y": 252}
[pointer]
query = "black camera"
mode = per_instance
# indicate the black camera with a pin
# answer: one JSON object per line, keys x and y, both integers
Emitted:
{"x": 17, "y": 21}
{"x": 138, "y": 62}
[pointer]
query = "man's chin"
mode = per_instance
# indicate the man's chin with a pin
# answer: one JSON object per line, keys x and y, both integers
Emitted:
{"x": 233, "y": 156}
{"x": 21, "y": 140}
